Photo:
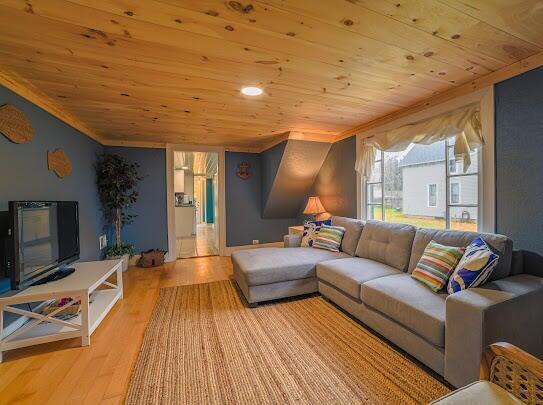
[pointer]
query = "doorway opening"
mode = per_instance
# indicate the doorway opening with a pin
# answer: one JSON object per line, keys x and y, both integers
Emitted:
{"x": 196, "y": 181}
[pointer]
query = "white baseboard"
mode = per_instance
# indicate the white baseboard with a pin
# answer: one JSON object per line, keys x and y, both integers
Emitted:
{"x": 231, "y": 249}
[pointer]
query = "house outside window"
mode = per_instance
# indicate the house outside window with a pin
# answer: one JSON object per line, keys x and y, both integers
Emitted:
{"x": 420, "y": 186}
{"x": 432, "y": 195}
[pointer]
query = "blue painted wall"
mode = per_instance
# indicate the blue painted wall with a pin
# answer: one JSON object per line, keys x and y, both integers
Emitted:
{"x": 149, "y": 229}
{"x": 519, "y": 159}
{"x": 25, "y": 175}
{"x": 244, "y": 220}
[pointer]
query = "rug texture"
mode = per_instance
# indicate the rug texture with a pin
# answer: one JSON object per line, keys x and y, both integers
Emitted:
{"x": 203, "y": 346}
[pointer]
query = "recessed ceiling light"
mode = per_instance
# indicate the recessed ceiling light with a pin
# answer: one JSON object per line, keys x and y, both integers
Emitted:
{"x": 251, "y": 91}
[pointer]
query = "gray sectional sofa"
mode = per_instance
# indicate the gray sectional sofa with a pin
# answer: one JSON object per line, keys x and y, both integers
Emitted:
{"x": 370, "y": 279}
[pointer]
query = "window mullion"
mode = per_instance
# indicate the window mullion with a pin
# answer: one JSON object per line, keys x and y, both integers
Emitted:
{"x": 382, "y": 185}
{"x": 447, "y": 186}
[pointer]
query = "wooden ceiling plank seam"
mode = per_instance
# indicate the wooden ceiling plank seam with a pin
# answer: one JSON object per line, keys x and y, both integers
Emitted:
{"x": 305, "y": 65}
{"x": 535, "y": 39}
{"x": 457, "y": 53}
{"x": 457, "y": 37}
{"x": 512, "y": 70}
{"x": 295, "y": 37}
{"x": 29, "y": 92}
{"x": 261, "y": 44}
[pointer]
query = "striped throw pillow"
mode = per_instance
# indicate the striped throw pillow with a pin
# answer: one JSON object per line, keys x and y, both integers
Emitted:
{"x": 437, "y": 264}
{"x": 329, "y": 238}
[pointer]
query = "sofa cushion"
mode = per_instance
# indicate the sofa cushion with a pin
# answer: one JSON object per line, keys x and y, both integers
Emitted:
{"x": 347, "y": 274}
{"x": 409, "y": 303}
{"x": 437, "y": 264}
{"x": 353, "y": 230}
{"x": 501, "y": 245}
{"x": 329, "y": 238}
{"x": 478, "y": 392}
{"x": 387, "y": 243}
{"x": 272, "y": 265}
{"x": 475, "y": 268}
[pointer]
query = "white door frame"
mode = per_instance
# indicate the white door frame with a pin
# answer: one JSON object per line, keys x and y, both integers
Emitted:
{"x": 170, "y": 195}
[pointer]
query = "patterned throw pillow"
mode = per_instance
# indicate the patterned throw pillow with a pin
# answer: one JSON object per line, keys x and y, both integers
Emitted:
{"x": 436, "y": 265}
{"x": 311, "y": 229}
{"x": 329, "y": 238}
{"x": 474, "y": 268}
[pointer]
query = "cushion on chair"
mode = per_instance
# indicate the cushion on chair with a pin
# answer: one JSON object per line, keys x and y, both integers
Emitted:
{"x": 409, "y": 303}
{"x": 353, "y": 230}
{"x": 272, "y": 265}
{"x": 476, "y": 393}
{"x": 500, "y": 244}
{"x": 347, "y": 274}
{"x": 387, "y": 243}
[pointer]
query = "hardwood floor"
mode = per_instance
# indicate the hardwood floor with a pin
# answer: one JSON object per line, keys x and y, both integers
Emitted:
{"x": 64, "y": 372}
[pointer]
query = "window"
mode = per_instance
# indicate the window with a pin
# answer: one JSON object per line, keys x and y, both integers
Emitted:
{"x": 432, "y": 195}
{"x": 455, "y": 193}
{"x": 452, "y": 165}
{"x": 424, "y": 186}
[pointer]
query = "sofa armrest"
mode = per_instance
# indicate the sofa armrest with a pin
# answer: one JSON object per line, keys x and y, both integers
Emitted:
{"x": 510, "y": 309}
{"x": 292, "y": 240}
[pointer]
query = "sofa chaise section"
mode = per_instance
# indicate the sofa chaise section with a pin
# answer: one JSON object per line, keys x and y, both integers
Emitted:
{"x": 272, "y": 273}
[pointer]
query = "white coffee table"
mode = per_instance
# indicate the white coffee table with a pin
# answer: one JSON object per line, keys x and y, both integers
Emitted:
{"x": 89, "y": 278}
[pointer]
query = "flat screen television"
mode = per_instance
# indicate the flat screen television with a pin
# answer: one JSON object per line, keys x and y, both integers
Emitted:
{"x": 43, "y": 237}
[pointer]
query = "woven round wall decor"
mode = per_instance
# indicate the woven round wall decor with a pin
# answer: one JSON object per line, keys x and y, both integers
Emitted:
{"x": 59, "y": 163}
{"x": 14, "y": 125}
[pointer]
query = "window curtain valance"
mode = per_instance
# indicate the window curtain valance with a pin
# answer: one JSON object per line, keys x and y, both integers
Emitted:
{"x": 464, "y": 124}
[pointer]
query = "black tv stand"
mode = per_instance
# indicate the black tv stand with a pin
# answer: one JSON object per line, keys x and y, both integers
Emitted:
{"x": 57, "y": 275}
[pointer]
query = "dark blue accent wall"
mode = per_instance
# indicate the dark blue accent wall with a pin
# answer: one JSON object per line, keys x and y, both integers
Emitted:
{"x": 149, "y": 229}
{"x": 244, "y": 221}
{"x": 25, "y": 175}
{"x": 519, "y": 159}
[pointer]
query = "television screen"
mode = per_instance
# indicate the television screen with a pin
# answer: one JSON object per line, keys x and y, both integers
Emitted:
{"x": 45, "y": 235}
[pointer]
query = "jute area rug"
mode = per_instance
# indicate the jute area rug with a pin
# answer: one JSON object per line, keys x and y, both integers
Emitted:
{"x": 203, "y": 346}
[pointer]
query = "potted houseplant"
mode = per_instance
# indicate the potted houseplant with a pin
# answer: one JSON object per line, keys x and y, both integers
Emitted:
{"x": 116, "y": 179}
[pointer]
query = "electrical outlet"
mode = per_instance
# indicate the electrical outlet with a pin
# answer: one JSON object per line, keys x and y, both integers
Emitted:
{"x": 256, "y": 241}
{"x": 103, "y": 241}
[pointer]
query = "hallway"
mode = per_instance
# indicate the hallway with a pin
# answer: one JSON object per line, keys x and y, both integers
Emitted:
{"x": 204, "y": 244}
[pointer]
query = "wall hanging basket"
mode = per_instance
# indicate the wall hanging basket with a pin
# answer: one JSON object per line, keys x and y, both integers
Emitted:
{"x": 14, "y": 125}
{"x": 59, "y": 163}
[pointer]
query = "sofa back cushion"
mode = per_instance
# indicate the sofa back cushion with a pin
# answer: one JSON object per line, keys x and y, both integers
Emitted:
{"x": 353, "y": 230}
{"x": 387, "y": 243}
{"x": 500, "y": 244}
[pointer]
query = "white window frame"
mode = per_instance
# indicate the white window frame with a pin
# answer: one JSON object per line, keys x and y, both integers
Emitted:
{"x": 459, "y": 192}
{"x": 455, "y": 166}
{"x": 487, "y": 169}
{"x": 428, "y": 195}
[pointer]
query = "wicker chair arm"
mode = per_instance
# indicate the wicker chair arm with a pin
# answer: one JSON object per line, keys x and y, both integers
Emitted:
{"x": 514, "y": 370}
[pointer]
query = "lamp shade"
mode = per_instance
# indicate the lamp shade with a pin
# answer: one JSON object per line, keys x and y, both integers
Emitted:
{"x": 314, "y": 206}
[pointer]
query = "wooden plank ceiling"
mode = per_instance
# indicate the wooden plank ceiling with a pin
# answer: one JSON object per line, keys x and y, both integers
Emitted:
{"x": 158, "y": 71}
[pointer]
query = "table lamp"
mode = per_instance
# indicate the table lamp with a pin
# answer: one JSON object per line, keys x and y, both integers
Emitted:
{"x": 314, "y": 207}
